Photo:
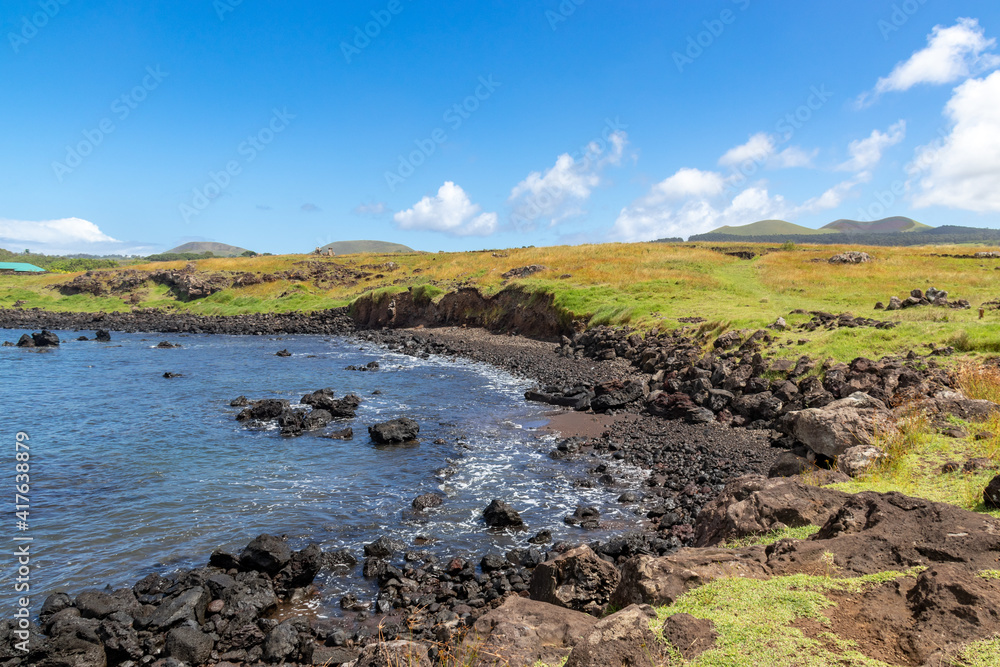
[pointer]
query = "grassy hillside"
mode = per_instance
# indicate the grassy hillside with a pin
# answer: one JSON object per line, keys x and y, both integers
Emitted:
{"x": 884, "y": 226}
{"x": 200, "y": 247}
{"x": 770, "y": 228}
{"x": 642, "y": 285}
{"x": 358, "y": 247}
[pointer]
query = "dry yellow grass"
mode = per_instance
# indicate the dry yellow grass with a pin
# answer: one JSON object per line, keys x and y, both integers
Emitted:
{"x": 645, "y": 285}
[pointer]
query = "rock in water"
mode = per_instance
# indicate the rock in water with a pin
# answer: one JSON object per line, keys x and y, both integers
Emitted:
{"x": 267, "y": 554}
{"x": 45, "y": 339}
{"x": 395, "y": 431}
{"x": 501, "y": 515}
{"x": 102, "y": 336}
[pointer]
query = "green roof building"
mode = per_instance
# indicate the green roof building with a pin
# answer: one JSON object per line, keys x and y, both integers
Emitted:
{"x": 19, "y": 267}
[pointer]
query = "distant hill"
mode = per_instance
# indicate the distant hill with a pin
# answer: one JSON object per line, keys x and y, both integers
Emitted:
{"x": 201, "y": 247}
{"x": 355, "y": 247}
{"x": 769, "y": 228}
{"x": 892, "y": 225}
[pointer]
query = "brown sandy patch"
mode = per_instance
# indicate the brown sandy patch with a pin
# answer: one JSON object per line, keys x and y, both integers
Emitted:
{"x": 583, "y": 425}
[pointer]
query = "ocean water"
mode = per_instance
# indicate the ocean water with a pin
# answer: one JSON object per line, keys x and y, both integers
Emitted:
{"x": 132, "y": 473}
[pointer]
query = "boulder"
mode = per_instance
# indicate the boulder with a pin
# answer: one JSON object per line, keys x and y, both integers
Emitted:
{"x": 189, "y": 605}
{"x": 325, "y": 399}
{"x": 859, "y": 460}
{"x": 267, "y": 554}
{"x": 955, "y": 404}
{"x": 788, "y": 465}
{"x": 616, "y": 395}
{"x": 102, "y": 336}
{"x": 840, "y": 425}
{"x": 25, "y": 341}
{"x": 281, "y": 643}
{"x": 189, "y": 644}
{"x": 689, "y": 635}
{"x": 45, "y": 339}
{"x": 300, "y": 571}
{"x": 623, "y": 638}
{"x": 754, "y": 505}
{"x": 991, "y": 494}
{"x": 395, "y": 431}
{"x": 499, "y": 514}
{"x": 852, "y": 257}
{"x": 384, "y": 547}
{"x": 873, "y": 532}
{"x": 265, "y": 410}
{"x": 661, "y": 581}
{"x": 427, "y": 501}
{"x": 523, "y": 632}
{"x": 578, "y": 579}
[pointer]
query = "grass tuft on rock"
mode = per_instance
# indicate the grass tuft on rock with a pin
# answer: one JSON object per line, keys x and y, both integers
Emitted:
{"x": 754, "y": 620}
{"x": 764, "y": 539}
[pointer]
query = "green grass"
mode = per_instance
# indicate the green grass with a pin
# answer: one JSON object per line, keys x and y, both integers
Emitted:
{"x": 984, "y": 653}
{"x": 800, "y": 533}
{"x": 916, "y": 459}
{"x": 754, "y": 618}
{"x": 644, "y": 286}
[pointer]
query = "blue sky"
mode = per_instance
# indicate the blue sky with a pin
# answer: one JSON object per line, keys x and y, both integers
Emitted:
{"x": 280, "y": 126}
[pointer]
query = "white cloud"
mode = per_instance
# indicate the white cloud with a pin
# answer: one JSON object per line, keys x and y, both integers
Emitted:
{"x": 693, "y": 201}
{"x": 833, "y": 197}
{"x": 450, "y": 211}
{"x": 66, "y": 236}
{"x": 686, "y": 183}
{"x": 374, "y": 209}
{"x": 655, "y": 216}
{"x": 66, "y": 231}
{"x": 759, "y": 148}
{"x": 866, "y": 153}
{"x": 963, "y": 170}
{"x": 560, "y": 191}
{"x": 952, "y": 53}
{"x": 762, "y": 149}
{"x": 793, "y": 156}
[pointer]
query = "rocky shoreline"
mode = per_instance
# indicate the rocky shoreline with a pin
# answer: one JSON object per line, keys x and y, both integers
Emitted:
{"x": 695, "y": 422}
